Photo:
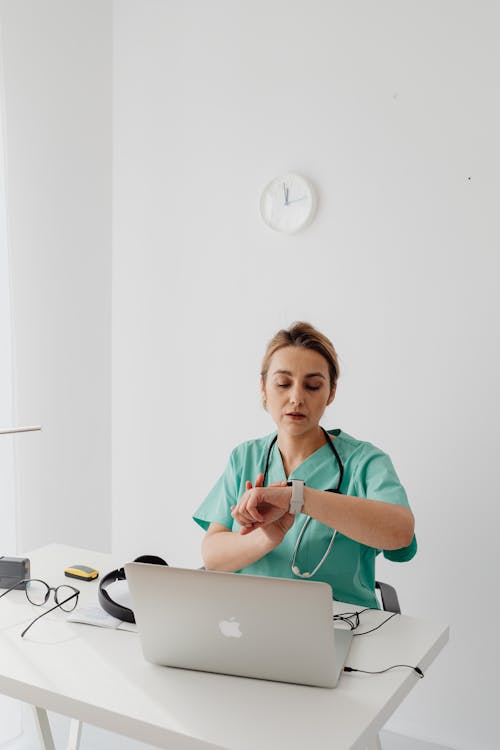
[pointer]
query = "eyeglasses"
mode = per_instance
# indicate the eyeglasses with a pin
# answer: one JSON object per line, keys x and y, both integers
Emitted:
{"x": 38, "y": 593}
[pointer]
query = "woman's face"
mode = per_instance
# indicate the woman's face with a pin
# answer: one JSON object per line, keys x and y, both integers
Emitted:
{"x": 297, "y": 389}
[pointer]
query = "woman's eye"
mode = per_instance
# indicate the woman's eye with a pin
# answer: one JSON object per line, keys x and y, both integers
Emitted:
{"x": 309, "y": 387}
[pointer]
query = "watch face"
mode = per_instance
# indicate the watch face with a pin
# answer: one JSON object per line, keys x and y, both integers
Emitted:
{"x": 288, "y": 203}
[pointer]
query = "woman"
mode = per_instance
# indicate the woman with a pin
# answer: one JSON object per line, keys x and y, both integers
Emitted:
{"x": 261, "y": 519}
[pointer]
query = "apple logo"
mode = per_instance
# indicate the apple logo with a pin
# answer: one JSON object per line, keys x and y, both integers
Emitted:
{"x": 230, "y": 628}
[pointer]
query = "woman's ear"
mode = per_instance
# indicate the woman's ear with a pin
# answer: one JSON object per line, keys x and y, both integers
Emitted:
{"x": 263, "y": 392}
{"x": 332, "y": 395}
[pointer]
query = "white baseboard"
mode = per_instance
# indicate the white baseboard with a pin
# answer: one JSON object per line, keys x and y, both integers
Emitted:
{"x": 393, "y": 741}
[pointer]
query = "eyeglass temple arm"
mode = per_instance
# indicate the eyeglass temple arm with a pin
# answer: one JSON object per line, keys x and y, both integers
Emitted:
{"x": 22, "y": 580}
{"x": 49, "y": 610}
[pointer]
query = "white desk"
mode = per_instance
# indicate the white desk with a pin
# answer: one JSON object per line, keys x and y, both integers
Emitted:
{"x": 99, "y": 676}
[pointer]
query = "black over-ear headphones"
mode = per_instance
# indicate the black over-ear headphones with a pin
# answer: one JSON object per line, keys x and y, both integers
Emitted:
{"x": 107, "y": 603}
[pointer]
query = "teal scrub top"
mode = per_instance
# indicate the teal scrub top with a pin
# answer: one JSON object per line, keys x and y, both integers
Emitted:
{"x": 350, "y": 566}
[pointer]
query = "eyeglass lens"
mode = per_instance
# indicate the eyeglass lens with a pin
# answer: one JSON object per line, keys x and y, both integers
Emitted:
{"x": 38, "y": 593}
{"x": 65, "y": 592}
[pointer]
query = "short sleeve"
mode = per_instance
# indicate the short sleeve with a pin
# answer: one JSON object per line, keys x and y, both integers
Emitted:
{"x": 217, "y": 505}
{"x": 377, "y": 480}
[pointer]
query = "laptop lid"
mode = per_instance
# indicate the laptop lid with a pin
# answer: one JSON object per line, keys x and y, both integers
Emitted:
{"x": 249, "y": 626}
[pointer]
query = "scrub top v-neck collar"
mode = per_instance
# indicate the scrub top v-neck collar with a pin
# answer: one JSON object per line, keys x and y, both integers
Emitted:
{"x": 298, "y": 471}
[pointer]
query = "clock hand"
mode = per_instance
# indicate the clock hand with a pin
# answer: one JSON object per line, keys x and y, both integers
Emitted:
{"x": 285, "y": 191}
{"x": 302, "y": 198}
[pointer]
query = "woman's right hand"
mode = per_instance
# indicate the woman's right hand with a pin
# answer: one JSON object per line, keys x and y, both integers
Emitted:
{"x": 276, "y": 531}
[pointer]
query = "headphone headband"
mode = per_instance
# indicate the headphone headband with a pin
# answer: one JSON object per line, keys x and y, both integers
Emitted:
{"x": 113, "y": 608}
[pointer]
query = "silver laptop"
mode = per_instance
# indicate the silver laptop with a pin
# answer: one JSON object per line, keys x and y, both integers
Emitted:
{"x": 250, "y": 626}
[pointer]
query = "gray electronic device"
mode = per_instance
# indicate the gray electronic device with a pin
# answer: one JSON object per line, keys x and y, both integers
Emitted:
{"x": 13, "y": 569}
{"x": 250, "y": 626}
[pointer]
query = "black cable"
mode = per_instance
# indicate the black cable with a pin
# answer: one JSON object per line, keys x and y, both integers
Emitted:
{"x": 352, "y": 619}
{"x": 365, "y": 632}
{"x": 381, "y": 671}
{"x": 349, "y": 618}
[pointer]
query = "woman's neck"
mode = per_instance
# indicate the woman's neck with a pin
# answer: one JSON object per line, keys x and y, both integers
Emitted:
{"x": 295, "y": 449}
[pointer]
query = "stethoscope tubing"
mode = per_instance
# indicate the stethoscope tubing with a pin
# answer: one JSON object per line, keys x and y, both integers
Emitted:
{"x": 295, "y": 569}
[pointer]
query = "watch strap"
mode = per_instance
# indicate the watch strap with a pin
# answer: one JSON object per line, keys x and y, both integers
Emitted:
{"x": 297, "y": 498}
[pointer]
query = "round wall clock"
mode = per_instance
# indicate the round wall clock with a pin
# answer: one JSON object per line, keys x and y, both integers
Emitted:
{"x": 288, "y": 203}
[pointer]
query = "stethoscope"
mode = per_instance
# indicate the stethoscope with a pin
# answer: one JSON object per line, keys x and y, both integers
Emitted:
{"x": 295, "y": 569}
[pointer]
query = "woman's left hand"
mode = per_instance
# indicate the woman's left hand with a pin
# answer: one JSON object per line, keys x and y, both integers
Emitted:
{"x": 261, "y": 506}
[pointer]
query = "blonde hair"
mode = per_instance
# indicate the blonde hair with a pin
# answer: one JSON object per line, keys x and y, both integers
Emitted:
{"x": 305, "y": 335}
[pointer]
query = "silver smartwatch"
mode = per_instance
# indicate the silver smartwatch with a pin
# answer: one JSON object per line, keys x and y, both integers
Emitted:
{"x": 297, "y": 499}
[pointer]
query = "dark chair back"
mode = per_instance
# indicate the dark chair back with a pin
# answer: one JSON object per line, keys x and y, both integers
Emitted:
{"x": 389, "y": 597}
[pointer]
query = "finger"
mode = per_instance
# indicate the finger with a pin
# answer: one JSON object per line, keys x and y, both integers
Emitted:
{"x": 248, "y": 529}
{"x": 245, "y": 500}
{"x": 240, "y": 508}
{"x": 255, "y": 515}
{"x": 240, "y": 516}
{"x": 246, "y": 495}
{"x": 259, "y": 482}
{"x": 288, "y": 520}
{"x": 251, "y": 510}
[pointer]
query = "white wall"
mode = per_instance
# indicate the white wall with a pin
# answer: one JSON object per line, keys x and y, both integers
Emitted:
{"x": 7, "y": 524}
{"x": 57, "y": 74}
{"x": 391, "y": 109}
{"x": 10, "y": 713}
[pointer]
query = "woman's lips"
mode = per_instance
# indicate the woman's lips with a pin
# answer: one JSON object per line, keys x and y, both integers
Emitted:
{"x": 296, "y": 416}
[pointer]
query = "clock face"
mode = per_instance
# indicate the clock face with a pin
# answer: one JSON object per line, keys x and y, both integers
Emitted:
{"x": 288, "y": 203}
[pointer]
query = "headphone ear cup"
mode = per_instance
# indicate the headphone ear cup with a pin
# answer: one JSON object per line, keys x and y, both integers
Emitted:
{"x": 107, "y": 603}
{"x": 152, "y": 559}
{"x": 111, "y": 607}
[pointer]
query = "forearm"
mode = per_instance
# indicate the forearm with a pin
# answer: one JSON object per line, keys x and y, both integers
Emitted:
{"x": 230, "y": 551}
{"x": 371, "y": 522}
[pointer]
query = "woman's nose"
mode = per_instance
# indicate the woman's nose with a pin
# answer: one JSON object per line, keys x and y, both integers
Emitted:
{"x": 296, "y": 396}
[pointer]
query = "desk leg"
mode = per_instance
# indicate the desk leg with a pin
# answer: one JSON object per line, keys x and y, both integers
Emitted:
{"x": 45, "y": 733}
{"x": 43, "y": 728}
{"x": 374, "y": 744}
{"x": 75, "y": 733}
